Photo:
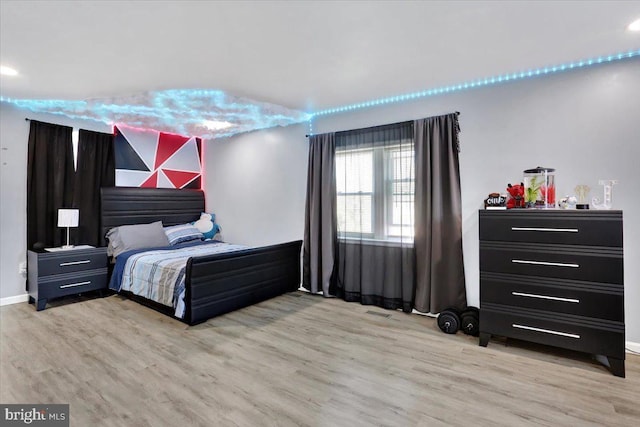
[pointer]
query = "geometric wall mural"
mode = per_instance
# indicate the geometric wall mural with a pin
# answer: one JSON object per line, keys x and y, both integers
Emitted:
{"x": 148, "y": 158}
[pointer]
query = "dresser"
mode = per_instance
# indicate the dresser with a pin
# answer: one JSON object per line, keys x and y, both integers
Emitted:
{"x": 554, "y": 277}
{"x": 56, "y": 274}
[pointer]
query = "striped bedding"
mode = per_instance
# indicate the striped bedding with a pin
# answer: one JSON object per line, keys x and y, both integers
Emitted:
{"x": 159, "y": 274}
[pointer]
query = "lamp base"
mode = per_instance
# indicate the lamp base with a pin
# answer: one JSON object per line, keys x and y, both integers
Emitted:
{"x": 67, "y": 246}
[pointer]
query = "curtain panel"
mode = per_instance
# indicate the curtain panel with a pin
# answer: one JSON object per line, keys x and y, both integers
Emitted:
{"x": 95, "y": 169}
{"x": 374, "y": 178}
{"x": 440, "y": 281}
{"x": 50, "y": 179}
{"x": 320, "y": 235}
{"x": 383, "y": 220}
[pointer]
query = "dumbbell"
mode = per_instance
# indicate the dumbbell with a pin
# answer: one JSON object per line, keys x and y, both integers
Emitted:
{"x": 470, "y": 321}
{"x": 449, "y": 320}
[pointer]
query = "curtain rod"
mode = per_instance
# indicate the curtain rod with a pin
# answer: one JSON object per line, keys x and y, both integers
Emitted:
{"x": 457, "y": 114}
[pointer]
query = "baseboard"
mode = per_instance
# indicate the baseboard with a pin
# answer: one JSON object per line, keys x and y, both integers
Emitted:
{"x": 632, "y": 347}
{"x": 414, "y": 311}
{"x": 14, "y": 300}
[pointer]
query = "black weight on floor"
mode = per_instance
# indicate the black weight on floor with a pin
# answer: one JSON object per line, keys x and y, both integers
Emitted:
{"x": 449, "y": 320}
{"x": 470, "y": 321}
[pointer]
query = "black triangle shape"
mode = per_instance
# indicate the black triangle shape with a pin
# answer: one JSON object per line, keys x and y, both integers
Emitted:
{"x": 126, "y": 156}
{"x": 199, "y": 146}
{"x": 195, "y": 184}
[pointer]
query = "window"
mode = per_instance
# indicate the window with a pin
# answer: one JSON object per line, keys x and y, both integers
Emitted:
{"x": 354, "y": 184}
{"x": 375, "y": 192}
{"x": 400, "y": 199}
{"x": 74, "y": 140}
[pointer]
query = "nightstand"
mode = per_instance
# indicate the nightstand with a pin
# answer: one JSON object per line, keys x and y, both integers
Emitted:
{"x": 67, "y": 272}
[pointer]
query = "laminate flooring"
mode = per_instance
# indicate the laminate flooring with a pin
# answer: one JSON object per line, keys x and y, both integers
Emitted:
{"x": 296, "y": 360}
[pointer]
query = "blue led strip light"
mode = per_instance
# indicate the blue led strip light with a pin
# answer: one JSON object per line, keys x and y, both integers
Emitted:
{"x": 480, "y": 83}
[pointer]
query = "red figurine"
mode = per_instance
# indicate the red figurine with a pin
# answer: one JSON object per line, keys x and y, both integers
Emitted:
{"x": 516, "y": 196}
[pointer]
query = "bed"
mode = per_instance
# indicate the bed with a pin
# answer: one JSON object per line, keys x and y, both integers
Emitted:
{"x": 213, "y": 284}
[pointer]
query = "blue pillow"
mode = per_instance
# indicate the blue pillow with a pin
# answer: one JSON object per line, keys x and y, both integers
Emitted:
{"x": 207, "y": 225}
{"x": 182, "y": 233}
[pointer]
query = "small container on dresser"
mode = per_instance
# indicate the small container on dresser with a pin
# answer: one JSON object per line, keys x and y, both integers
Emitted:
{"x": 554, "y": 277}
{"x": 65, "y": 272}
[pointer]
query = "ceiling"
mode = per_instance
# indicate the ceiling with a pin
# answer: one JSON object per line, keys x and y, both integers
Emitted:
{"x": 302, "y": 55}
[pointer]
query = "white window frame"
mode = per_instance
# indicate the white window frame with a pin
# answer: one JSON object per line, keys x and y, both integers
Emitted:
{"x": 389, "y": 178}
{"x": 382, "y": 196}
{"x": 355, "y": 234}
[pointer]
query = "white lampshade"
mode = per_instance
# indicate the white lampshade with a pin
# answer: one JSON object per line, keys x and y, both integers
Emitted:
{"x": 68, "y": 217}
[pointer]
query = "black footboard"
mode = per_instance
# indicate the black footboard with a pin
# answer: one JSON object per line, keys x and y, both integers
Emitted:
{"x": 221, "y": 283}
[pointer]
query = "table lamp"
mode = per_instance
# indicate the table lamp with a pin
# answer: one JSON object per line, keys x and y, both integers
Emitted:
{"x": 68, "y": 218}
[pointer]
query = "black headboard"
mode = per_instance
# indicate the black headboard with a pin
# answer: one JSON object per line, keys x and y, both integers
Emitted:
{"x": 133, "y": 205}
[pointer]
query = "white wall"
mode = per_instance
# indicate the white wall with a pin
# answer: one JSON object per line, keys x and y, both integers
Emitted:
{"x": 584, "y": 123}
{"x": 14, "y": 137}
{"x": 255, "y": 183}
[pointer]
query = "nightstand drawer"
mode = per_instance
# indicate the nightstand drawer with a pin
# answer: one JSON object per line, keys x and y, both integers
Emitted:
{"x": 553, "y": 226}
{"x": 604, "y": 265}
{"x": 68, "y": 262}
{"x": 572, "y": 332}
{"x": 594, "y": 300}
{"x": 69, "y": 284}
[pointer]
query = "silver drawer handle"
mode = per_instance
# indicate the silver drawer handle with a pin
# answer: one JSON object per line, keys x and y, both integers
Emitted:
{"x": 546, "y": 331}
{"x": 561, "y": 230}
{"x": 71, "y": 285}
{"x": 522, "y": 294}
{"x": 64, "y": 264}
{"x": 556, "y": 264}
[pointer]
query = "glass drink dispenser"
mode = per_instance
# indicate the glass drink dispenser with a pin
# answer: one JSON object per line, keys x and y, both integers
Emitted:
{"x": 540, "y": 188}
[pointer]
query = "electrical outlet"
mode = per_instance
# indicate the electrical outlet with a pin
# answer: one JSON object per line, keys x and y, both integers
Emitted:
{"x": 22, "y": 269}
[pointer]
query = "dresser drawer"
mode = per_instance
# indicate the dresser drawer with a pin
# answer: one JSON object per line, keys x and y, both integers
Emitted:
{"x": 604, "y": 265}
{"x": 572, "y": 332}
{"x": 555, "y": 295}
{"x": 71, "y": 261}
{"x": 587, "y": 228}
{"x": 73, "y": 283}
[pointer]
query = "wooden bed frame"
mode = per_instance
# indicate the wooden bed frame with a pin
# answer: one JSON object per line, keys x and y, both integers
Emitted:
{"x": 215, "y": 284}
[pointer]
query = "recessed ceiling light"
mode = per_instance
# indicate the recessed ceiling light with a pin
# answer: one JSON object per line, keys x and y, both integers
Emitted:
{"x": 634, "y": 26}
{"x": 8, "y": 71}
{"x": 216, "y": 124}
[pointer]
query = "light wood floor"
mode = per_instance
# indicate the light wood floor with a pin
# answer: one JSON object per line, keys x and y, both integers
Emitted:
{"x": 295, "y": 360}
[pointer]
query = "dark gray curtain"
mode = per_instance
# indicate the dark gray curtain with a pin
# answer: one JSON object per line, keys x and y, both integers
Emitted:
{"x": 320, "y": 237}
{"x": 96, "y": 169}
{"x": 440, "y": 279}
{"x": 50, "y": 179}
{"x": 375, "y": 253}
